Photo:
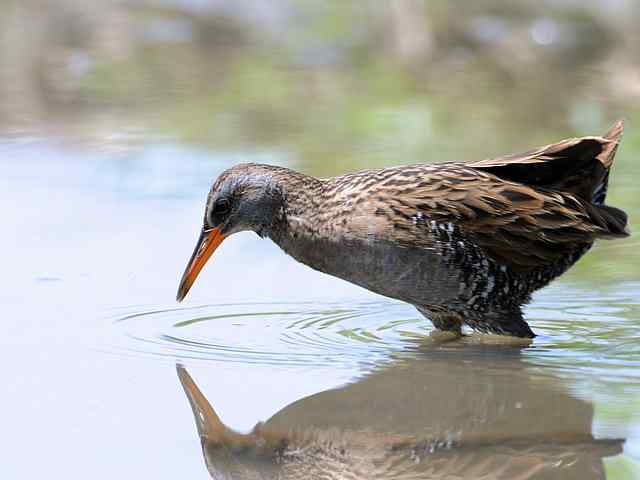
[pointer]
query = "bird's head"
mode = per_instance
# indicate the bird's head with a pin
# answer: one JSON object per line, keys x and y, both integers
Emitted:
{"x": 244, "y": 198}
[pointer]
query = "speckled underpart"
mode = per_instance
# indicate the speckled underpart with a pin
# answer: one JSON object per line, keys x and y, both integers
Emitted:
{"x": 466, "y": 243}
{"x": 493, "y": 293}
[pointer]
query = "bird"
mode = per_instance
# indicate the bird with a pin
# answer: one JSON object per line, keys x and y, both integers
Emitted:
{"x": 461, "y": 430}
{"x": 466, "y": 243}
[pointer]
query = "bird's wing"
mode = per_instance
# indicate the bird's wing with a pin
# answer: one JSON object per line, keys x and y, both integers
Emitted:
{"x": 515, "y": 224}
{"x": 575, "y": 165}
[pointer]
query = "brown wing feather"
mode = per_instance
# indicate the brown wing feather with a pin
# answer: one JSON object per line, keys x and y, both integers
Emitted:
{"x": 516, "y": 225}
{"x": 575, "y": 165}
{"x": 525, "y": 210}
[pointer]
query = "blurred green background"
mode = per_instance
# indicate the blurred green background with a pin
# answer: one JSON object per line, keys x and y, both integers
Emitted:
{"x": 331, "y": 86}
{"x": 338, "y": 83}
{"x": 322, "y": 86}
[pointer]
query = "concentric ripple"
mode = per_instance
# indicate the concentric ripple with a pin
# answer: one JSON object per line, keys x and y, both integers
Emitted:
{"x": 283, "y": 334}
{"x": 581, "y": 333}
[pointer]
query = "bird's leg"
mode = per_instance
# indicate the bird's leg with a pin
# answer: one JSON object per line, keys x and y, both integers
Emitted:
{"x": 443, "y": 319}
{"x": 508, "y": 322}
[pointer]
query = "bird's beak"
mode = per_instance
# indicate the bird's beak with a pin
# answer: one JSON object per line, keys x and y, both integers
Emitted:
{"x": 207, "y": 243}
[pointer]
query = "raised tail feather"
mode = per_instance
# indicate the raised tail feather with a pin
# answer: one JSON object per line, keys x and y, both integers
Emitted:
{"x": 579, "y": 166}
{"x": 606, "y": 158}
{"x": 611, "y": 219}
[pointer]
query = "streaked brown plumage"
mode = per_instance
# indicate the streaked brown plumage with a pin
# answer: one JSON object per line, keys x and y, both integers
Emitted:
{"x": 466, "y": 243}
{"x": 466, "y": 425}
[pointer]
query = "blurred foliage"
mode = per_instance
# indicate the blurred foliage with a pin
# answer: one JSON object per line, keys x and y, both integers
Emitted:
{"x": 340, "y": 85}
{"x": 335, "y": 85}
{"x": 621, "y": 468}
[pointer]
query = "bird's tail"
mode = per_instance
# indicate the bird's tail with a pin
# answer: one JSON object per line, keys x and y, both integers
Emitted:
{"x": 606, "y": 158}
{"x": 612, "y": 220}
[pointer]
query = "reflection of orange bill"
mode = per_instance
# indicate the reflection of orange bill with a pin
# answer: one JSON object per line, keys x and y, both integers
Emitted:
{"x": 207, "y": 243}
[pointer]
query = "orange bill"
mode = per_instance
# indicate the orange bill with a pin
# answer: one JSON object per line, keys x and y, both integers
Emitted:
{"x": 207, "y": 243}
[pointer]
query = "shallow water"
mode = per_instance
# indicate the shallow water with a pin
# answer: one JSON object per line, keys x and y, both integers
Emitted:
{"x": 93, "y": 248}
{"x": 114, "y": 119}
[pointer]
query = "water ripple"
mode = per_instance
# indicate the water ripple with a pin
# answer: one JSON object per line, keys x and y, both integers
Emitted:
{"x": 580, "y": 333}
{"x": 284, "y": 334}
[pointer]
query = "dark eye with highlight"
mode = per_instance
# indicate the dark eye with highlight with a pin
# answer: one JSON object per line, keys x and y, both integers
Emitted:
{"x": 221, "y": 207}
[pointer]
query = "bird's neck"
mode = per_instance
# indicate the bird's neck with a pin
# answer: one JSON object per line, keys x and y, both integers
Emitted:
{"x": 300, "y": 224}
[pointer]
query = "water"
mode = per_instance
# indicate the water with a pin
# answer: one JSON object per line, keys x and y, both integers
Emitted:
{"x": 463, "y": 407}
{"x": 92, "y": 339}
{"x": 115, "y": 118}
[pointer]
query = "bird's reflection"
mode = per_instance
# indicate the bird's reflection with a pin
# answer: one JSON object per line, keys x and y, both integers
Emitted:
{"x": 445, "y": 411}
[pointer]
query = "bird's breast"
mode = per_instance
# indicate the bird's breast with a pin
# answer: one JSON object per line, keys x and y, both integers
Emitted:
{"x": 415, "y": 274}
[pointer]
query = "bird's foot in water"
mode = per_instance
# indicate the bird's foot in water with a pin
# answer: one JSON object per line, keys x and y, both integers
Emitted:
{"x": 444, "y": 336}
{"x": 481, "y": 338}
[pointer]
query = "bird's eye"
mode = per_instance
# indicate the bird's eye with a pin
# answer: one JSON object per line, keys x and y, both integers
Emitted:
{"x": 221, "y": 207}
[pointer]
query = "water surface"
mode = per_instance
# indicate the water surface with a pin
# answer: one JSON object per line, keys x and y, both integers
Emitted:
{"x": 94, "y": 337}
{"x": 114, "y": 119}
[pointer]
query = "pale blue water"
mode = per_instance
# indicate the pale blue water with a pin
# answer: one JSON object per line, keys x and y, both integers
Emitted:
{"x": 93, "y": 247}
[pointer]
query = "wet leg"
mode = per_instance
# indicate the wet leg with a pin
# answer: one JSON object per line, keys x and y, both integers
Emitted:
{"x": 444, "y": 320}
{"x": 500, "y": 322}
